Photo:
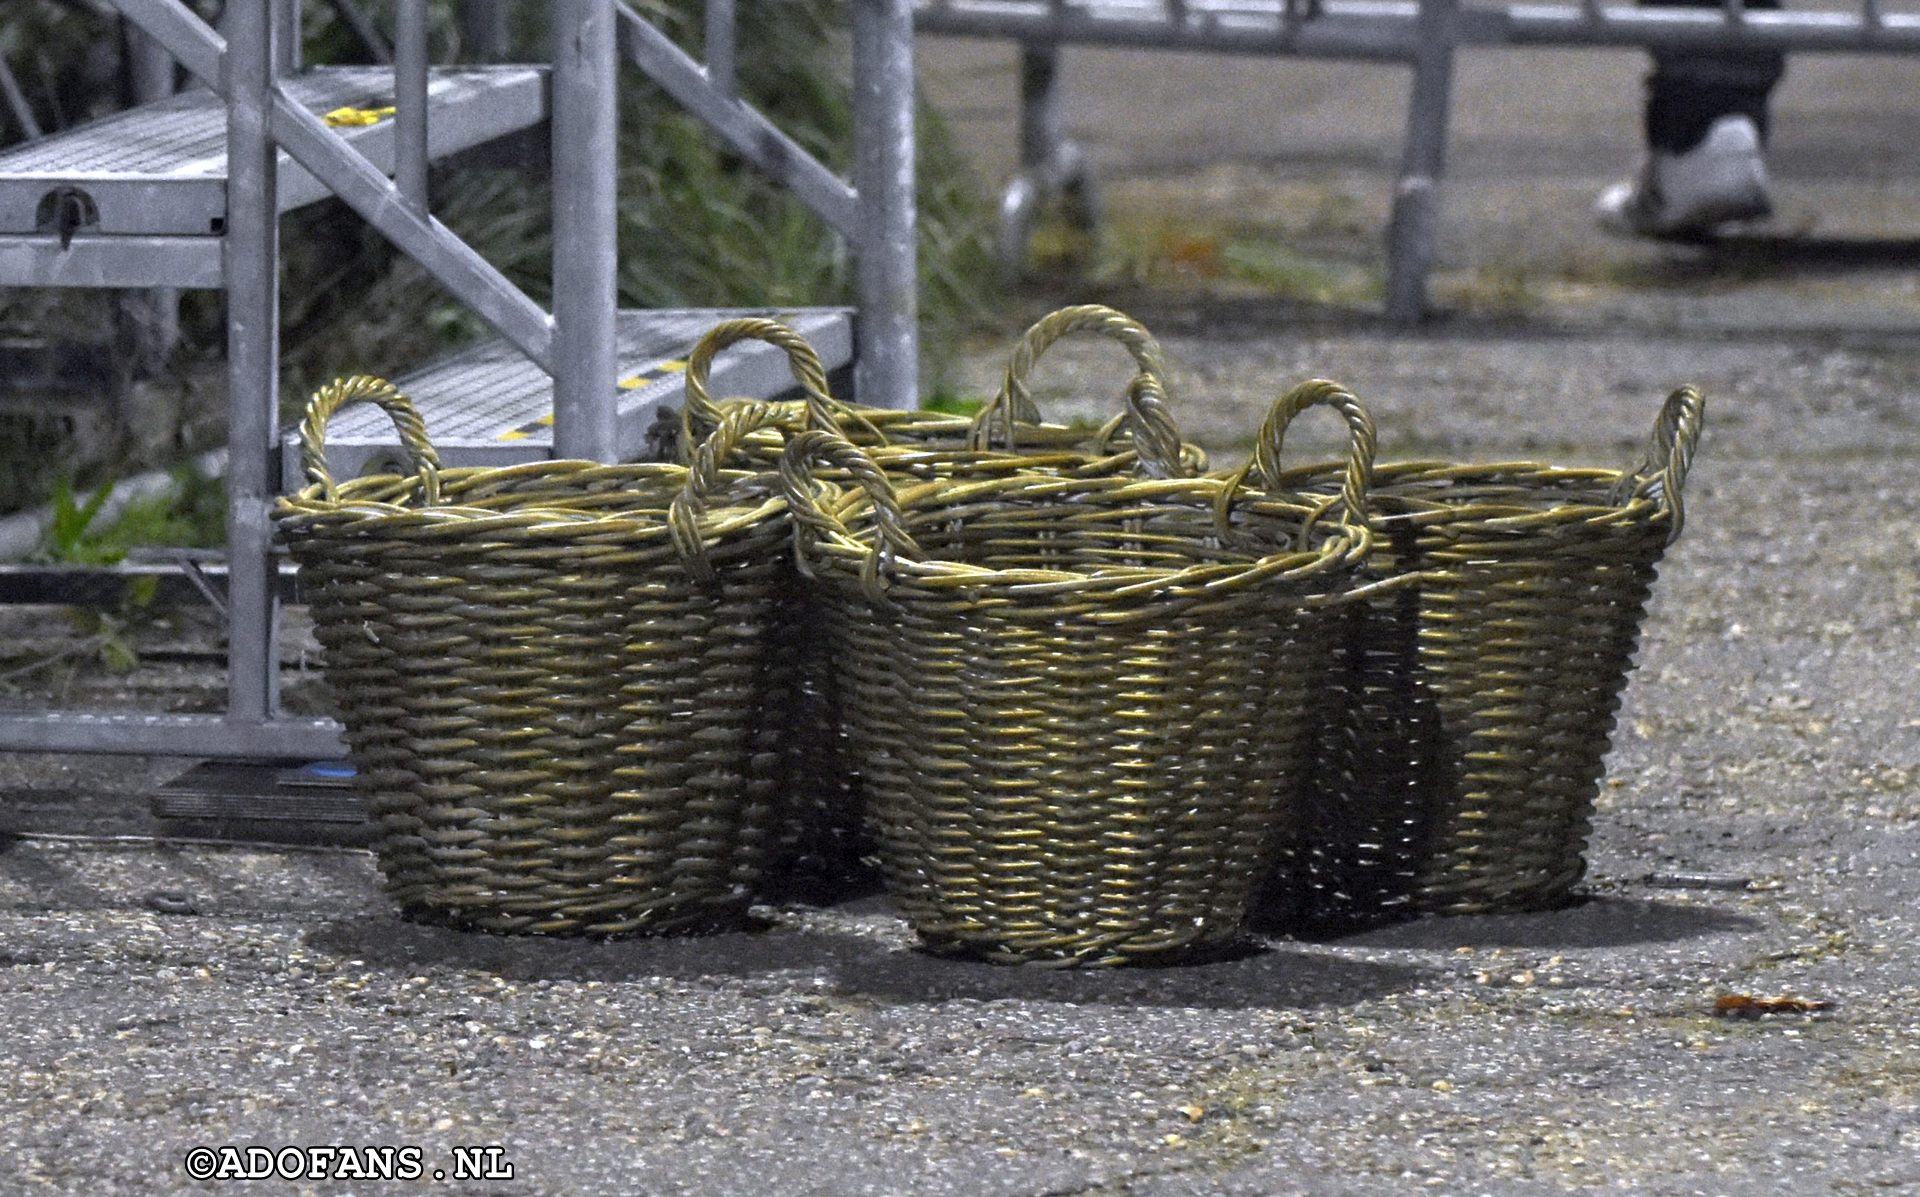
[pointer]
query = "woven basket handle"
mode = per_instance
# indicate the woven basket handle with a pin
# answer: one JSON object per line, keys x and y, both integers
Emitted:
{"x": 1662, "y": 474}
{"x": 1156, "y": 437}
{"x": 803, "y": 492}
{"x": 700, "y": 415}
{"x": 1361, "y": 443}
{"x": 738, "y": 420}
{"x": 343, "y": 393}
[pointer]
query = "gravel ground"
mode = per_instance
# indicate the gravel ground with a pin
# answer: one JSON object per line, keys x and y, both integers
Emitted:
{"x": 1757, "y": 835}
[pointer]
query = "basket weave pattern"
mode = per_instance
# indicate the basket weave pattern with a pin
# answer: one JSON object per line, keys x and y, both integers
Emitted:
{"x": 1474, "y": 701}
{"x": 1080, "y": 702}
{"x": 549, "y": 676}
{"x": 822, "y": 841}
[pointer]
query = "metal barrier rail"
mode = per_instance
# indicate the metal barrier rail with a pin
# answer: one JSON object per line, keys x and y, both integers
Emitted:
{"x": 1423, "y": 34}
{"x": 1387, "y": 29}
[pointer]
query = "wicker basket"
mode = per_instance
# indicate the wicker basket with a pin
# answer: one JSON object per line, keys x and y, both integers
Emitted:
{"x": 1476, "y": 685}
{"x": 1079, "y": 703}
{"x": 822, "y": 846}
{"x": 549, "y": 675}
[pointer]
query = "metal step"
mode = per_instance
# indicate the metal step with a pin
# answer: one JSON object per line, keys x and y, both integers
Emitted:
{"x": 489, "y": 406}
{"x": 160, "y": 170}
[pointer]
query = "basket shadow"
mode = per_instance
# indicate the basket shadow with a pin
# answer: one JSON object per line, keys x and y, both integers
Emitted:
{"x": 1272, "y": 978}
{"x": 395, "y": 944}
{"x": 1598, "y": 922}
{"x": 867, "y": 968}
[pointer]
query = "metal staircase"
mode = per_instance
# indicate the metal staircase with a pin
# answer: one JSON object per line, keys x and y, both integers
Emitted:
{"x": 187, "y": 192}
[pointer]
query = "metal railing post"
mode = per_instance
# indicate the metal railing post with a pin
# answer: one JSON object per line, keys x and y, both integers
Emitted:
{"x": 286, "y": 35}
{"x": 410, "y": 100}
{"x": 156, "y": 312}
{"x": 720, "y": 48}
{"x": 1040, "y": 130}
{"x": 887, "y": 338}
{"x": 585, "y": 149}
{"x": 483, "y": 29}
{"x": 1416, "y": 199}
{"x": 253, "y": 356}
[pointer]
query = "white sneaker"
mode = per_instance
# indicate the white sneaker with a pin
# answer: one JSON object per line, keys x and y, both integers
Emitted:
{"x": 1720, "y": 181}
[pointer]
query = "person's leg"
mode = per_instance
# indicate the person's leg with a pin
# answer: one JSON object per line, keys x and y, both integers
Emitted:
{"x": 1706, "y": 128}
{"x": 1688, "y": 91}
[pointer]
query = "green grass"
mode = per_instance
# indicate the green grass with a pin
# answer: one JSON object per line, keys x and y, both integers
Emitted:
{"x": 191, "y": 515}
{"x": 1197, "y": 254}
{"x": 944, "y": 400}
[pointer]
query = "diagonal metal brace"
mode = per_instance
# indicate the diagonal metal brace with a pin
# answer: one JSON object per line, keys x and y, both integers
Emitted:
{"x": 184, "y": 35}
{"x": 470, "y": 277}
{"x": 751, "y": 135}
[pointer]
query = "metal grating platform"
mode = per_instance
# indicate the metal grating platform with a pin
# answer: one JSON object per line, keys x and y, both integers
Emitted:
{"x": 161, "y": 169}
{"x": 489, "y": 406}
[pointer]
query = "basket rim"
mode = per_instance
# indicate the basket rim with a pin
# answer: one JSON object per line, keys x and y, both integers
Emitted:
{"x": 559, "y": 493}
{"x": 1084, "y": 447}
{"x": 1396, "y": 508}
{"x": 1344, "y": 546}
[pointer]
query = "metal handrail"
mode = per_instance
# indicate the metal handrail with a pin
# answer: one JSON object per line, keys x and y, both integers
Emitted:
{"x": 410, "y": 103}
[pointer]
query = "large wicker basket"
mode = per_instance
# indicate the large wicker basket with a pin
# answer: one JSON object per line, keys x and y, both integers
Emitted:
{"x": 550, "y": 675}
{"x": 822, "y": 846}
{"x": 1080, "y": 703}
{"x": 1476, "y": 685}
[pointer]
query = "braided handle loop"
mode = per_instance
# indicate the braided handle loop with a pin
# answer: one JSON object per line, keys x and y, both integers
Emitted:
{"x": 738, "y": 420}
{"x": 700, "y": 415}
{"x": 1014, "y": 402}
{"x": 1663, "y": 472}
{"x": 1156, "y": 439}
{"x": 343, "y": 393}
{"x": 1361, "y": 443}
{"x": 804, "y": 491}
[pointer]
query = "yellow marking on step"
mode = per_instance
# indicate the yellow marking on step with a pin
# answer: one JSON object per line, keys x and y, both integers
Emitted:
{"x": 356, "y": 118}
{"x": 631, "y": 382}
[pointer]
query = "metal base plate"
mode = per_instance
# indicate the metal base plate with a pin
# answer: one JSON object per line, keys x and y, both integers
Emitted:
{"x": 279, "y": 802}
{"x": 489, "y": 406}
{"x": 161, "y": 169}
{"x": 263, "y": 792}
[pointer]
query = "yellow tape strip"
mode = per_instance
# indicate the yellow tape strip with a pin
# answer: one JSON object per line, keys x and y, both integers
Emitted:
{"x": 631, "y": 382}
